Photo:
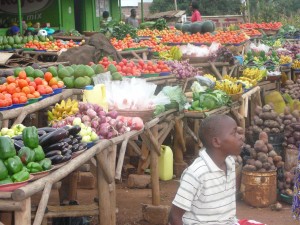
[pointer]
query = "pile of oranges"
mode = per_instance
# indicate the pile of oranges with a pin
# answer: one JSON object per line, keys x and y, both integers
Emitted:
{"x": 17, "y": 90}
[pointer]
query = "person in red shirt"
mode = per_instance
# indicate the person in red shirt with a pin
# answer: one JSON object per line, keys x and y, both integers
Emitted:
{"x": 196, "y": 16}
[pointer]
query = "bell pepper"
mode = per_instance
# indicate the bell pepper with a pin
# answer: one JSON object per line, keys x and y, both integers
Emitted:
{"x": 3, "y": 170}
{"x": 30, "y": 137}
{"x": 26, "y": 155}
{"x": 34, "y": 167}
{"x": 7, "y": 180}
{"x": 7, "y": 148}
{"x": 13, "y": 165}
{"x": 20, "y": 176}
{"x": 46, "y": 164}
{"x": 39, "y": 153}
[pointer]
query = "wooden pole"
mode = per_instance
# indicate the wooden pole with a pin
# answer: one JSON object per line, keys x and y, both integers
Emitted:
{"x": 59, "y": 15}
{"x": 103, "y": 196}
{"x": 121, "y": 159}
{"x": 142, "y": 11}
{"x": 20, "y": 16}
{"x": 175, "y": 3}
{"x": 23, "y": 217}
{"x": 43, "y": 204}
{"x": 154, "y": 171}
{"x": 112, "y": 187}
{"x": 143, "y": 158}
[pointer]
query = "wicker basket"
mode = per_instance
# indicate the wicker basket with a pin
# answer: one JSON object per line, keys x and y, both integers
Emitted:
{"x": 145, "y": 115}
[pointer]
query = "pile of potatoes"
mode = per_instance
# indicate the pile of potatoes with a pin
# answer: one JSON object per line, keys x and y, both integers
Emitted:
{"x": 285, "y": 181}
{"x": 266, "y": 120}
{"x": 291, "y": 120}
{"x": 262, "y": 157}
{"x": 291, "y": 88}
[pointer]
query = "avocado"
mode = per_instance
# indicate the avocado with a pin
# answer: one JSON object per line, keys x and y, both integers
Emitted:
{"x": 52, "y": 70}
{"x": 88, "y": 80}
{"x": 89, "y": 71}
{"x": 79, "y": 82}
{"x": 99, "y": 69}
{"x": 69, "y": 82}
{"x": 80, "y": 71}
{"x": 62, "y": 73}
{"x": 112, "y": 68}
{"x": 38, "y": 73}
{"x": 116, "y": 76}
{"x": 70, "y": 69}
{"x": 29, "y": 71}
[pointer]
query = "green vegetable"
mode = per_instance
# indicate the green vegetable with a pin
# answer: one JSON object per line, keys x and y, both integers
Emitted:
{"x": 159, "y": 109}
{"x": 3, "y": 170}
{"x": 175, "y": 94}
{"x": 39, "y": 153}
{"x": 46, "y": 164}
{"x": 7, "y": 148}
{"x": 30, "y": 137}
{"x": 26, "y": 155}
{"x": 34, "y": 167}
{"x": 14, "y": 165}
{"x": 160, "y": 24}
{"x": 195, "y": 104}
{"x": 20, "y": 176}
{"x": 7, "y": 180}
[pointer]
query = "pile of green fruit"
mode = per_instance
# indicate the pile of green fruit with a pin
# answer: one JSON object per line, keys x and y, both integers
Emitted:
{"x": 17, "y": 42}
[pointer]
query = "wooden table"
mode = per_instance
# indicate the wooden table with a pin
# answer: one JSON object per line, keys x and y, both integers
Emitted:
{"x": 42, "y": 56}
{"x": 138, "y": 54}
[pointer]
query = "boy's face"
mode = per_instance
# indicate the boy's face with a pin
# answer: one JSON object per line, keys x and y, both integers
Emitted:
{"x": 231, "y": 140}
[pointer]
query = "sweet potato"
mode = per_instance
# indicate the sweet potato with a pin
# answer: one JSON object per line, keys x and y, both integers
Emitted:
{"x": 270, "y": 160}
{"x": 266, "y": 166}
{"x": 277, "y": 158}
{"x": 272, "y": 153}
{"x": 260, "y": 146}
{"x": 270, "y": 147}
{"x": 249, "y": 168}
{"x": 262, "y": 157}
{"x": 258, "y": 164}
{"x": 263, "y": 136}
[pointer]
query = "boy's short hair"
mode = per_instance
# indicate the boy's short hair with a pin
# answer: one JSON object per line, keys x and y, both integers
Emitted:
{"x": 105, "y": 14}
{"x": 211, "y": 127}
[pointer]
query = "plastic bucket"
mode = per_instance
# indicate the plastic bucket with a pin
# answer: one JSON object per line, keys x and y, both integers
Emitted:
{"x": 165, "y": 163}
{"x": 291, "y": 158}
{"x": 259, "y": 188}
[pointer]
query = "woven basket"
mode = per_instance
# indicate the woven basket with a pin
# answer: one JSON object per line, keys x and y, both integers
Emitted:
{"x": 145, "y": 115}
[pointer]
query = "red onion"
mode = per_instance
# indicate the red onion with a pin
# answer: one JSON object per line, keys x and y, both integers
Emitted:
{"x": 113, "y": 122}
{"x": 113, "y": 114}
{"x": 95, "y": 123}
{"x": 85, "y": 118}
{"x": 104, "y": 129}
{"x": 137, "y": 123}
{"x": 91, "y": 113}
{"x": 102, "y": 113}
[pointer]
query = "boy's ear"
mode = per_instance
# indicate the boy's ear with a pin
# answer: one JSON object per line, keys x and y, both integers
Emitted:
{"x": 216, "y": 142}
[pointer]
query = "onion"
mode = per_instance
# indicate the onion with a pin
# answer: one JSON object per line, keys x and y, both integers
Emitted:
{"x": 82, "y": 106}
{"x": 85, "y": 118}
{"x": 95, "y": 123}
{"x": 87, "y": 123}
{"x": 102, "y": 113}
{"x": 137, "y": 123}
{"x": 113, "y": 122}
{"x": 102, "y": 119}
{"x": 107, "y": 119}
{"x": 109, "y": 135}
{"x": 122, "y": 130}
{"x": 119, "y": 124}
{"x": 91, "y": 113}
{"x": 113, "y": 114}
{"x": 104, "y": 129}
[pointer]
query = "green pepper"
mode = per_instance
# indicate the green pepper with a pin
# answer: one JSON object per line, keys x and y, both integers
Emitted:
{"x": 14, "y": 165}
{"x": 3, "y": 170}
{"x": 46, "y": 164}
{"x": 34, "y": 167}
{"x": 30, "y": 137}
{"x": 39, "y": 153}
{"x": 26, "y": 155}
{"x": 7, "y": 180}
{"x": 20, "y": 176}
{"x": 7, "y": 148}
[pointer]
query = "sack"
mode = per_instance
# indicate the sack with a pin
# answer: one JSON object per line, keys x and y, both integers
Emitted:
{"x": 72, "y": 220}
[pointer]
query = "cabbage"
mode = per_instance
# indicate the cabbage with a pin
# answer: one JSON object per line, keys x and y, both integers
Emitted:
{"x": 159, "y": 109}
{"x": 175, "y": 94}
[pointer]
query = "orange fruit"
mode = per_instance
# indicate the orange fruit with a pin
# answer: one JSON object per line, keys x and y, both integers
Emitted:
{"x": 32, "y": 89}
{"x": 11, "y": 89}
{"x": 60, "y": 84}
{"x": 48, "y": 76}
{"x": 26, "y": 90}
{"x": 23, "y": 99}
{"x": 30, "y": 96}
{"x": 10, "y": 79}
{"x": 36, "y": 94}
{"x": 22, "y": 75}
{"x": 53, "y": 81}
{"x": 22, "y": 83}
{"x": 49, "y": 90}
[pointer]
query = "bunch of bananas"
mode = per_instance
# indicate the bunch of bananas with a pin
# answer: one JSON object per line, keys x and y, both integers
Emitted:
{"x": 173, "y": 54}
{"x": 229, "y": 87}
{"x": 254, "y": 73}
{"x": 296, "y": 64}
{"x": 285, "y": 59}
{"x": 211, "y": 77}
{"x": 62, "y": 110}
{"x": 277, "y": 43}
{"x": 230, "y": 78}
{"x": 247, "y": 82}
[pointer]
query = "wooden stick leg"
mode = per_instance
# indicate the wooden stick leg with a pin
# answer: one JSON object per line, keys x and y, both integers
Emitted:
{"x": 103, "y": 196}
{"x": 43, "y": 204}
{"x": 23, "y": 217}
{"x": 112, "y": 187}
{"x": 144, "y": 156}
{"x": 68, "y": 190}
{"x": 155, "y": 172}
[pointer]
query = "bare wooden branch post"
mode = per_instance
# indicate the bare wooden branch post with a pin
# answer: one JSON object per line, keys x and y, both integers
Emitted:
{"x": 179, "y": 145}
{"x": 155, "y": 170}
{"x": 23, "y": 217}
{"x": 143, "y": 159}
{"x": 43, "y": 204}
{"x": 112, "y": 187}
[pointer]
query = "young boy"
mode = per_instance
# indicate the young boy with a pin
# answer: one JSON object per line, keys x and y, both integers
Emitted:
{"x": 207, "y": 190}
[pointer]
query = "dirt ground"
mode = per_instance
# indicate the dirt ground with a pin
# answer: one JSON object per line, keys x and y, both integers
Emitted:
{"x": 129, "y": 202}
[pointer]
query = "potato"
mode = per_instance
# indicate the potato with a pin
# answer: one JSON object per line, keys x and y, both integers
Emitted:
{"x": 267, "y": 108}
{"x": 279, "y": 164}
{"x": 270, "y": 160}
{"x": 271, "y": 124}
{"x": 263, "y": 136}
{"x": 270, "y": 147}
{"x": 257, "y": 129}
{"x": 262, "y": 170}
{"x": 239, "y": 159}
{"x": 296, "y": 114}
{"x": 252, "y": 153}
{"x": 258, "y": 110}
{"x": 275, "y": 130}
{"x": 277, "y": 158}
{"x": 247, "y": 147}
{"x": 266, "y": 166}
{"x": 258, "y": 164}
{"x": 250, "y": 162}
{"x": 262, "y": 157}
{"x": 288, "y": 117}
{"x": 272, "y": 153}
{"x": 249, "y": 168}
{"x": 266, "y": 129}
{"x": 258, "y": 122}
{"x": 287, "y": 122}
{"x": 260, "y": 146}
{"x": 273, "y": 167}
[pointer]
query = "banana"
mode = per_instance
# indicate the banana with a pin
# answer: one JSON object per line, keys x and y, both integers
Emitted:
{"x": 63, "y": 109}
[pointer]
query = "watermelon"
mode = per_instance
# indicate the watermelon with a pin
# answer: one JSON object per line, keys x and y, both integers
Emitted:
{"x": 196, "y": 27}
{"x": 186, "y": 27}
{"x": 178, "y": 26}
{"x": 208, "y": 26}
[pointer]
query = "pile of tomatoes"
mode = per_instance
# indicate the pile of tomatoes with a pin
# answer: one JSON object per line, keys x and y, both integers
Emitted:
{"x": 17, "y": 90}
{"x": 154, "y": 33}
{"x": 252, "y": 32}
{"x": 264, "y": 26}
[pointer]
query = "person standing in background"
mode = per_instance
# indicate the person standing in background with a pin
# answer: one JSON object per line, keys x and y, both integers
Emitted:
{"x": 196, "y": 16}
{"x": 132, "y": 19}
{"x": 105, "y": 16}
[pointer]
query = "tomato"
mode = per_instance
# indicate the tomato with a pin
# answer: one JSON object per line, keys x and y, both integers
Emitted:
{"x": 48, "y": 76}
{"x": 2, "y": 103}
{"x": 10, "y": 79}
{"x": 15, "y": 101}
{"x": 11, "y": 89}
{"x": 22, "y": 74}
{"x": 33, "y": 84}
{"x": 22, "y": 83}
{"x": 30, "y": 96}
{"x": 36, "y": 94}
{"x": 26, "y": 90}
{"x": 23, "y": 99}
{"x": 60, "y": 84}
{"x": 53, "y": 81}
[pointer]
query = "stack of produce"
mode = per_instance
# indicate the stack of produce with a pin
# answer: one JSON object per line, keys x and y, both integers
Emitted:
{"x": 182, "y": 69}
{"x": 263, "y": 25}
{"x": 292, "y": 128}
{"x": 123, "y": 68}
{"x": 229, "y": 87}
{"x": 173, "y": 53}
{"x": 62, "y": 110}
{"x": 285, "y": 182}
{"x": 13, "y": 131}
{"x": 296, "y": 64}
{"x": 293, "y": 49}
{"x": 267, "y": 120}
{"x": 254, "y": 74}
{"x": 284, "y": 59}
{"x": 292, "y": 88}
{"x": 16, "y": 42}
{"x": 262, "y": 157}
{"x": 56, "y": 45}
{"x": 252, "y": 32}
{"x": 155, "y": 32}
{"x": 11, "y": 167}
{"x": 32, "y": 154}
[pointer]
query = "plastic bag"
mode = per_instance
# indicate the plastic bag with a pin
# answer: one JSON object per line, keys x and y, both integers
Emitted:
{"x": 101, "y": 78}
{"x": 260, "y": 47}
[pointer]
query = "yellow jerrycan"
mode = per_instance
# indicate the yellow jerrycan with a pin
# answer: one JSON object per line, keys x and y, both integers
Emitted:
{"x": 165, "y": 163}
{"x": 96, "y": 95}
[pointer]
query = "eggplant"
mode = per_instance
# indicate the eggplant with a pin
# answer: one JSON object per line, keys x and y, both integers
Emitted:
{"x": 74, "y": 141}
{"x": 56, "y": 146}
{"x": 47, "y": 129}
{"x": 18, "y": 137}
{"x": 69, "y": 152}
{"x": 53, "y": 153}
{"x": 54, "y": 137}
{"x": 78, "y": 137}
{"x": 66, "y": 158}
{"x": 74, "y": 130}
{"x": 18, "y": 144}
{"x": 41, "y": 133}
{"x": 67, "y": 140}
{"x": 56, "y": 159}
{"x": 65, "y": 150}
{"x": 66, "y": 145}
{"x": 75, "y": 148}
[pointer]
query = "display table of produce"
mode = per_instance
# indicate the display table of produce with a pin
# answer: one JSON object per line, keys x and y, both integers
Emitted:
{"x": 42, "y": 54}
{"x": 74, "y": 38}
{"x": 153, "y": 134}
{"x": 136, "y": 53}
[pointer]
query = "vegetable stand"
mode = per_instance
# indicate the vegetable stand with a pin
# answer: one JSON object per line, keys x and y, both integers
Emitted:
{"x": 44, "y": 56}
{"x": 104, "y": 151}
{"x": 138, "y": 53}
